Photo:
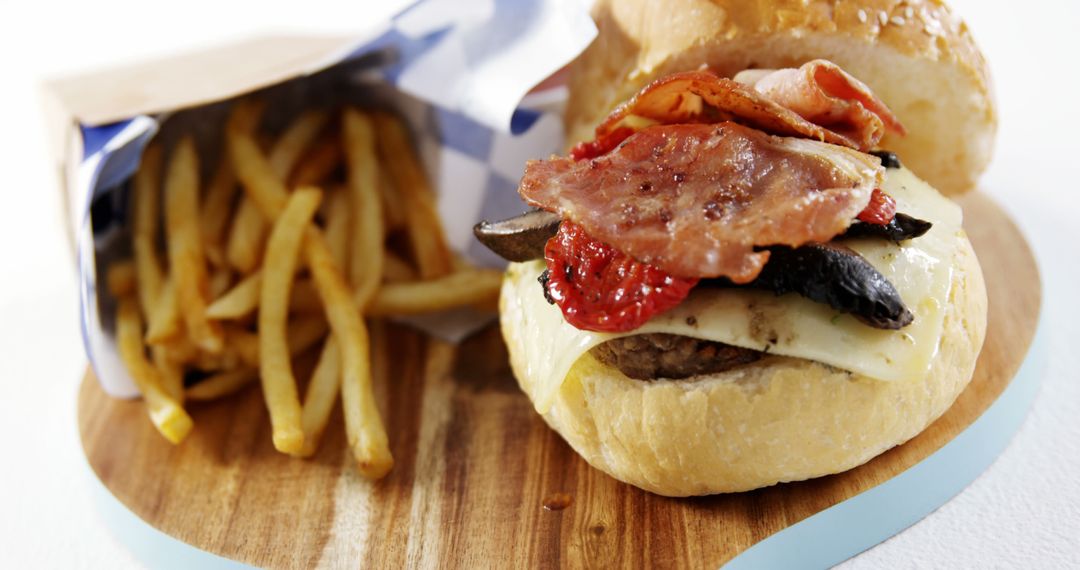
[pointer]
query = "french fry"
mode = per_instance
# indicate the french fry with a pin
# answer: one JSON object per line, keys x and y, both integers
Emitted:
{"x": 292, "y": 143}
{"x": 363, "y": 425}
{"x": 172, "y": 373}
{"x": 275, "y": 369}
{"x": 247, "y": 237}
{"x": 365, "y": 265}
{"x": 180, "y": 350}
{"x": 243, "y": 298}
{"x": 146, "y": 201}
{"x": 120, "y": 278}
{"x": 423, "y": 224}
{"x": 216, "y": 209}
{"x": 222, "y": 384}
{"x": 337, "y": 226}
{"x": 220, "y": 281}
{"x": 165, "y": 322}
{"x": 321, "y": 395}
{"x": 187, "y": 265}
{"x": 396, "y": 269}
{"x": 167, "y": 415}
{"x": 261, "y": 186}
{"x": 248, "y": 230}
{"x": 239, "y": 301}
{"x": 305, "y": 332}
{"x": 318, "y": 164}
{"x": 391, "y": 202}
{"x": 146, "y": 215}
{"x": 465, "y": 287}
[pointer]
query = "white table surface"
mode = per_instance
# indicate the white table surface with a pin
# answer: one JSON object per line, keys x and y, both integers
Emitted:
{"x": 1023, "y": 512}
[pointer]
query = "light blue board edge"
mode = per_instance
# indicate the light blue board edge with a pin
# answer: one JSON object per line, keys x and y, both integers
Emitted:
{"x": 848, "y": 528}
{"x": 820, "y": 541}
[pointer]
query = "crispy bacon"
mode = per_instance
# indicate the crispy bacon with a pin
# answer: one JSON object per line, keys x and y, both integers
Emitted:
{"x": 704, "y": 97}
{"x": 818, "y": 101}
{"x": 822, "y": 93}
{"x": 696, "y": 200}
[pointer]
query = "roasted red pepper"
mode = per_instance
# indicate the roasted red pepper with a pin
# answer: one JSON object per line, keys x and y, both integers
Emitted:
{"x": 599, "y": 288}
{"x": 880, "y": 210}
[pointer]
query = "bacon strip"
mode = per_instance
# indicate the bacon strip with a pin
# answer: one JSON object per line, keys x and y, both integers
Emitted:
{"x": 818, "y": 101}
{"x": 822, "y": 93}
{"x": 704, "y": 97}
{"x": 696, "y": 200}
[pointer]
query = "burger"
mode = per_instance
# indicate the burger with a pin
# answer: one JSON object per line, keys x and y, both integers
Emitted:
{"x": 740, "y": 273}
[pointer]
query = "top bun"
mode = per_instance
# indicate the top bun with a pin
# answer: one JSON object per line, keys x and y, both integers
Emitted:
{"x": 916, "y": 56}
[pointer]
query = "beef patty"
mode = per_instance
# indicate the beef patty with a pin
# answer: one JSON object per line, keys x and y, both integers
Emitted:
{"x": 662, "y": 355}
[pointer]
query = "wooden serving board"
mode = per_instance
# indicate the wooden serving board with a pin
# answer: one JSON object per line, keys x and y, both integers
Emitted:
{"x": 476, "y": 465}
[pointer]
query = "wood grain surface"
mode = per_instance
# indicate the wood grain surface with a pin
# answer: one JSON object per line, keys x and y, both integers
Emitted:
{"x": 475, "y": 464}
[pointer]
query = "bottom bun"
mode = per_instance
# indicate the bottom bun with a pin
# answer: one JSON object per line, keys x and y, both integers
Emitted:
{"x": 778, "y": 419}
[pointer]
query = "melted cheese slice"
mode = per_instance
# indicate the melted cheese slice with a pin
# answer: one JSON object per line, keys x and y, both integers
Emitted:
{"x": 789, "y": 325}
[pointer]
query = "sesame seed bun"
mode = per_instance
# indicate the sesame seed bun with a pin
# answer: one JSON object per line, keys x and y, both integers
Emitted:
{"x": 916, "y": 56}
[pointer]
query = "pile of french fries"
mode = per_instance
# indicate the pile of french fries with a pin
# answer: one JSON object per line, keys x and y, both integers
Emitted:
{"x": 286, "y": 248}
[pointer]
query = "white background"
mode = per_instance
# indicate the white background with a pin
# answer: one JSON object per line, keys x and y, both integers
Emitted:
{"x": 1023, "y": 512}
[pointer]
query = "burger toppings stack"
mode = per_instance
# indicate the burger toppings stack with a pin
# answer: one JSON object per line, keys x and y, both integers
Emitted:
{"x": 701, "y": 180}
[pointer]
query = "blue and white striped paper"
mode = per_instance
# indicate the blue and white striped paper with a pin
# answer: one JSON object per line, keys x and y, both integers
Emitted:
{"x": 457, "y": 72}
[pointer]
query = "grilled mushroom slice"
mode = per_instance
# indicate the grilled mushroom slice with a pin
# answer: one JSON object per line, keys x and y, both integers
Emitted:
{"x": 902, "y": 227}
{"x": 839, "y": 277}
{"x": 521, "y": 238}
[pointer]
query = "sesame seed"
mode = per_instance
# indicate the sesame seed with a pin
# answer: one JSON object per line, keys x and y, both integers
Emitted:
{"x": 883, "y": 18}
{"x": 862, "y": 15}
{"x": 897, "y": 20}
{"x": 909, "y": 12}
